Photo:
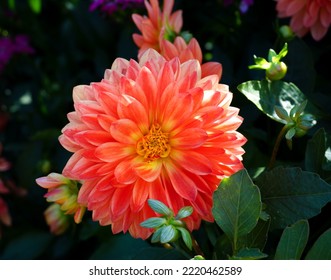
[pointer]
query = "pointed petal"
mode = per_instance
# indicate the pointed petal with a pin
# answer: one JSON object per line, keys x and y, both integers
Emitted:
{"x": 148, "y": 171}
{"x": 125, "y": 131}
{"x": 189, "y": 138}
{"x": 113, "y": 151}
{"x": 192, "y": 161}
{"x": 182, "y": 183}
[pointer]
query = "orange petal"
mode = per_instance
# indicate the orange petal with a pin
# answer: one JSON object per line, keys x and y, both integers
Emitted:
{"x": 182, "y": 183}
{"x": 113, "y": 151}
{"x": 124, "y": 173}
{"x": 125, "y": 131}
{"x": 192, "y": 162}
{"x": 148, "y": 171}
{"x": 189, "y": 138}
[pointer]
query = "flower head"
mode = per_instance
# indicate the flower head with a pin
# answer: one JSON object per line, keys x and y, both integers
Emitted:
{"x": 157, "y": 26}
{"x": 56, "y": 219}
{"x": 151, "y": 129}
{"x": 63, "y": 192}
{"x": 312, "y": 16}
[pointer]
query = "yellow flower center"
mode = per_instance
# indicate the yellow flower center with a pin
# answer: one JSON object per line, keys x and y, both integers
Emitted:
{"x": 154, "y": 145}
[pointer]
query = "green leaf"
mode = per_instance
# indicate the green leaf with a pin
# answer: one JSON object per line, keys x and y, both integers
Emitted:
{"x": 153, "y": 222}
{"x": 266, "y": 95}
{"x": 156, "y": 237}
{"x": 30, "y": 246}
{"x": 168, "y": 234}
{"x": 257, "y": 238}
{"x": 120, "y": 247}
{"x": 237, "y": 206}
{"x": 35, "y": 6}
{"x": 293, "y": 241}
{"x": 249, "y": 254}
{"x": 186, "y": 236}
{"x": 321, "y": 250}
{"x": 184, "y": 212}
{"x": 159, "y": 207}
{"x": 291, "y": 194}
{"x": 316, "y": 154}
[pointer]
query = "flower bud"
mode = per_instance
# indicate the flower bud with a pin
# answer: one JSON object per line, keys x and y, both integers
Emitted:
{"x": 286, "y": 32}
{"x": 276, "y": 71}
{"x": 304, "y": 123}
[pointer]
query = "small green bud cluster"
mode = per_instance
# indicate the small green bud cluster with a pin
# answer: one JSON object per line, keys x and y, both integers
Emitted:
{"x": 297, "y": 122}
{"x": 168, "y": 228}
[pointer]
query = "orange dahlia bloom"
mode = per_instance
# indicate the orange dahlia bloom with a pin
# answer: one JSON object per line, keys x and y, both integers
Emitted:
{"x": 151, "y": 129}
{"x": 307, "y": 15}
{"x": 158, "y": 25}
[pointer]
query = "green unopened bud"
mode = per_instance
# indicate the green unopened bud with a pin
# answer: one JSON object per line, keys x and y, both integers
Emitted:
{"x": 276, "y": 71}
{"x": 286, "y": 32}
{"x": 198, "y": 258}
{"x": 304, "y": 123}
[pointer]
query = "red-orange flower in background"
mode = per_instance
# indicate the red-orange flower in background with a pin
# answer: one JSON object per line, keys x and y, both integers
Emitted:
{"x": 151, "y": 129}
{"x": 160, "y": 31}
{"x": 307, "y": 15}
{"x": 158, "y": 25}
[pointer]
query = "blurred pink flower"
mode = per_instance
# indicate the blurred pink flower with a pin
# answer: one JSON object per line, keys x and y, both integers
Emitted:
{"x": 157, "y": 25}
{"x": 56, "y": 219}
{"x": 312, "y": 16}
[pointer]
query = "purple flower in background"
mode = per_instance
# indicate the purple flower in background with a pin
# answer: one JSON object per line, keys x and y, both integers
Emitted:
{"x": 111, "y": 6}
{"x": 10, "y": 46}
{"x": 243, "y": 6}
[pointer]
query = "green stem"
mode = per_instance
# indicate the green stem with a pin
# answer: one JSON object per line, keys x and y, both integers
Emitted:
{"x": 196, "y": 246}
{"x": 276, "y": 147}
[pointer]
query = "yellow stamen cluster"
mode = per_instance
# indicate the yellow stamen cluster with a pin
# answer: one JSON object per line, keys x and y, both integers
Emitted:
{"x": 154, "y": 145}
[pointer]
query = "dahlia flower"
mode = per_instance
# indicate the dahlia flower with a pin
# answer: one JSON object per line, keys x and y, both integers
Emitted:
{"x": 63, "y": 192}
{"x": 306, "y": 15}
{"x": 56, "y": 219}
{"x": 157, "y": 26}
{"x": 179, "y": 48}
{"x": 151, "y": 129}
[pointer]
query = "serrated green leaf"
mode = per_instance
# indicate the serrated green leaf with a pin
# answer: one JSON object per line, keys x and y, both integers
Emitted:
{"x": 168, "y": 234}
{"x": 268, "y": 94}
{"x": 237, "y": 206}
{"x": 159, "y": 207}
{"x": 291, "y": 194}
{"x": 293, "y": 241}
{"x": 249, "y": 254}
{"x": 186, "y": 236}
{"x": 184, "y": 212}
{"x": 153, "y": 222}
{"x": 321, "y": 250}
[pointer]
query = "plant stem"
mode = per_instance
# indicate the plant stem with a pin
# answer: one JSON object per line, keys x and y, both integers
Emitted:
{"x": 196, "y": 246}
{"x": 276, "y": 147}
